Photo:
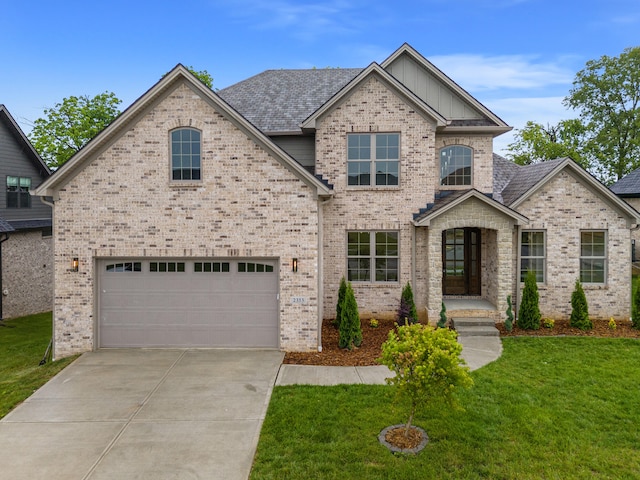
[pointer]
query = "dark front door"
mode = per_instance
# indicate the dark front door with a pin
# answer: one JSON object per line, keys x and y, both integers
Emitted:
{"x": 461, "y": 261}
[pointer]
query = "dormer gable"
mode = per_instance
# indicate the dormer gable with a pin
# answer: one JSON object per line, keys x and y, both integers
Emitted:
{"x": 431, "y": 85}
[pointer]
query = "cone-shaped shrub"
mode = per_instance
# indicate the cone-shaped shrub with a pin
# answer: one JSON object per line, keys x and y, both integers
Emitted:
{"x": 443, "y": 316}
{"x": 350, "y": 329}
{"x": 341, "y": 292}
{"x": 635, "y": 309}
{"x": 529, "y": 314}
{"x": 508, "y": 323}
{"x": 579, "y": 309}
{"x": 407, "y": 312}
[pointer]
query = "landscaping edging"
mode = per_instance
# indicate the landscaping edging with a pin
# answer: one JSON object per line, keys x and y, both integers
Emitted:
{"x": 382, "y": 437}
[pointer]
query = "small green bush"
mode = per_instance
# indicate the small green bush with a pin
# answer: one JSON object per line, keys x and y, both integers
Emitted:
{"x": 407, "y": 312}
{"x": 529, "y": 314}
{"x": 427, "y": 365}
{"x": 579, "y": 309}
{"x": 443, "y": 317}
{"x": 635, "y": 308}
{"x": 341, "y": 292}
{"x": 508, "y": 323}
{"x": 350, "y": 328}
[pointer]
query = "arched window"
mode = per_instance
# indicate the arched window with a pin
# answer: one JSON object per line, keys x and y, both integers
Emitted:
{"x": 185, "y": 154}
{"x": 456, "y": 164}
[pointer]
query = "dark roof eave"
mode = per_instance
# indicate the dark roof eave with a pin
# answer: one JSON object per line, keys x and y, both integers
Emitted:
{"x": 494, "y": 130}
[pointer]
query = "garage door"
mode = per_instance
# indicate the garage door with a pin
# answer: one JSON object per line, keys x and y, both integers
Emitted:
{"x": 188, "y": 303}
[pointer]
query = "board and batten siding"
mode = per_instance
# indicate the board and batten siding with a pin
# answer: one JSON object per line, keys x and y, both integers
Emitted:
{"x": 431, "y": 90}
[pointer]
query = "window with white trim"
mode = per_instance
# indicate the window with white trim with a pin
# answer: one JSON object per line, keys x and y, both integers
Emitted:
{"x": 532, "y": 255}
{"x": 372, "y": 256}
{"x": 373, "y": 159}
{"x": 185, "y": 154}
{"x": 593, "y": 256}
{"x": 456, "y": 162}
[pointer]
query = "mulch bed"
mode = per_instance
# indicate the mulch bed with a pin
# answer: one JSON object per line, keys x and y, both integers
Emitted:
{"x": 373, "y": 338}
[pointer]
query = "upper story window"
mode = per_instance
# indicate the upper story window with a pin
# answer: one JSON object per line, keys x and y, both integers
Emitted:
{"x": 18, "y": 192}
{"x": 378, "y": 153}
{"x": 456, "y": 164}
{"x": 185, "y": 154}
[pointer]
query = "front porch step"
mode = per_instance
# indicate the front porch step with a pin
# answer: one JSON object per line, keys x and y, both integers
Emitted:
{"x": 475, "y": 327}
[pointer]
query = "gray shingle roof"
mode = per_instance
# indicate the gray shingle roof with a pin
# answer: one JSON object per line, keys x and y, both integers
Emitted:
{"x": 526, "y": 178}
{"x": 503, "y": 171}
{"x": 5, "y": 226}
{"x": 280, "y": 100}
{"x": 628, "y": 186}
{"x": 30, "y": 224}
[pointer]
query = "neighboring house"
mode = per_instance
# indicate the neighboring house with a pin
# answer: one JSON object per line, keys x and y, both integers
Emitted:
{"x": 25, "y": 224}
{"x": 628, "y": 188}
{"x": 228, "y": 219}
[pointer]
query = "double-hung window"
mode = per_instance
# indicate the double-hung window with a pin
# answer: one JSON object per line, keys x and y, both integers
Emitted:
{"x": 373, "y": 159}
{"x": 532, "y": 255}
{"x": 372, "y": 256}
{"x": 456, "y": 164}
{"x": 185, "y": 154}
{"x": 593, "y": 256}
{"x": 18, "y": 192}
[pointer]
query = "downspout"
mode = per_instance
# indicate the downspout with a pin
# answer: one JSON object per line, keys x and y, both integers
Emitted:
{"x": 321, "y": 204}
{"x": 2, "y": 240}
{"x": 53, "y": 245}
{"x": 518, "y": 269}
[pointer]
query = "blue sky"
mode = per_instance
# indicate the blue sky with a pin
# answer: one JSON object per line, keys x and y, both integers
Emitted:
{"x": 518, "y": 57}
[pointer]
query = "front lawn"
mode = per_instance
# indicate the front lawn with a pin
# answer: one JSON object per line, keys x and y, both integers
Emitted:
{"x": 551, "y": 408}
{"x": 23, "y": 342}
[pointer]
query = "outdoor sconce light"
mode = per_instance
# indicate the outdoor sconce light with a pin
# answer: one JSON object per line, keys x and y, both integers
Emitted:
{"x": 294, "y": 265}
{"x": 74, "y": 264}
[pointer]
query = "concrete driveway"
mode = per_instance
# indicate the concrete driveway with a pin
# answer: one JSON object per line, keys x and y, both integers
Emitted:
{"x": 144, "y": 414}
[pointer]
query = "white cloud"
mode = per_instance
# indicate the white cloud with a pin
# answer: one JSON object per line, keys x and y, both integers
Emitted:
{"x": 478, "y": 72}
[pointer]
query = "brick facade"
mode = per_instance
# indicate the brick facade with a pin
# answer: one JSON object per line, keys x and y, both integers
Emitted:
{"x": 577, "y": 208}
{"x": 122, "y": 204}
{"x": 27, "y": 274}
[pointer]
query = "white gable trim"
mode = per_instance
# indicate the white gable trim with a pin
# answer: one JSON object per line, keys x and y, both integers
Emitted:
{"x": 167, "y": 84}
{"x": 590, "y": 181}
{"x": 517, "y": 217}
{"x": 391, "y": 82}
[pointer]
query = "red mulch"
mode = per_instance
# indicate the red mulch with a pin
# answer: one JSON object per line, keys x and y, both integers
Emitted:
{"x": 373, "y": 338}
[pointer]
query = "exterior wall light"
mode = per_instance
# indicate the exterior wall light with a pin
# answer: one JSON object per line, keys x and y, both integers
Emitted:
{"x": 294, "y": 265}
{"x": 74, "y": 264}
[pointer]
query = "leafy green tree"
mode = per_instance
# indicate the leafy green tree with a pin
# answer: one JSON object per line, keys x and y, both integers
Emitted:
{"x": 407, "y": 311}
{"x": 69, "y": 126}
{"x": 202, "y": 75}
{"x": 529, "y": 314}
{"x": 536, "y": 143}
{"x": 606, "y": 94}
{"x": 341, "y": 292}
{"x": 350, "y": 328}
{"x": 580, "y": 309}
{"x": 427, "y": 365}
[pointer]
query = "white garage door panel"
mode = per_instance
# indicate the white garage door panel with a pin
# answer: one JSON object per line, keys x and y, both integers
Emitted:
{"x": 188, "y": 309}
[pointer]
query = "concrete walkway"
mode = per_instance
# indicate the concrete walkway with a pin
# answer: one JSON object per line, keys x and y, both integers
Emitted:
{"x": 148, "y": 414}
{"x": 476, "y": 351}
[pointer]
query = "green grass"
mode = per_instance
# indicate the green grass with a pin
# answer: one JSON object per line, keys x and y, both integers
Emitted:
{"x": 552, "y": 408}
{"x": 23, "y": 342}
